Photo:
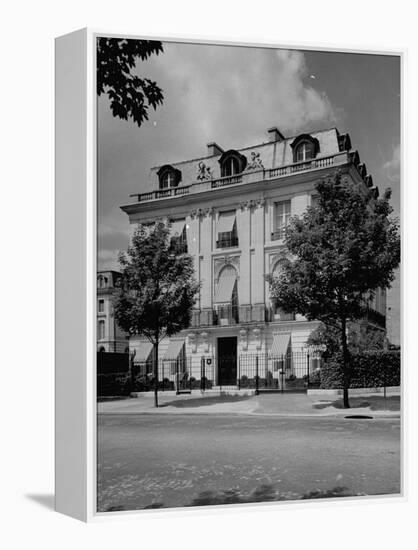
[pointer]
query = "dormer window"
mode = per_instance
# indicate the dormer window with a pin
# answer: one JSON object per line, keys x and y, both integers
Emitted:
{"x": 305, "y": 151}
{"x": 305, "y": 147}
{"x": 168, "y": 177}
{"x": 232, "y": 163}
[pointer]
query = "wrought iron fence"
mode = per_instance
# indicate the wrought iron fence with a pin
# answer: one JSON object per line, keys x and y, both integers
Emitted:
{"x": 180, "y": 374}
{"x": 295, "y": 371}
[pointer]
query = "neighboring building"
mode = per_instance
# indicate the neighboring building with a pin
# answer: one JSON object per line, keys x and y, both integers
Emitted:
{"x": 229, "y": 210}
{"x": 394, "y": 311}
{"x": 109, "y": 336}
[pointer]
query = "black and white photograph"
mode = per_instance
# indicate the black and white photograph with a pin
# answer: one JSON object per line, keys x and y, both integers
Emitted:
{"x": 248, "y": 274}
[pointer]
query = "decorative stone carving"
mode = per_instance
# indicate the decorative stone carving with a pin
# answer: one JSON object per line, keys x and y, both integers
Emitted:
{"x": 255, "y": 162}
{"x": 257, "y": 337}
{"x": 246, "y": 205}
{"x": 205, "y": 340}
{"x": 208, "y": 212}
{"x": 276, "y": 258}
{"x": 196, "y": 213}
{"x": 192, "y": 341}
{"x": 221, "y": 262}
{"x": 243, "y": 338}
{"x": 260, "y": 202}
{"x": 204, "y": 172}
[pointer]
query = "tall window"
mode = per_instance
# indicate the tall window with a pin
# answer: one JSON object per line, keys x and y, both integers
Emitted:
{"x": 101, "y": 330}
{"x": 101, "y": 306}
{"x": 305, "y": 151}
{"x": 178, "y": 241}
{"x": 227, "y": 230}
{"x": 281, "y": 219}
{"x": 226, "y": 297}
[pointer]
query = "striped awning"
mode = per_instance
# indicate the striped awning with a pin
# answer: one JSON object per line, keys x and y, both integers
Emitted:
{"x": 224, "y": 290}
{"x": 280, "y": 345}
{"x": 173, "y": 350}
{"x": 177, "y": 227}
{"x": 143, "y": 352}
{"x": 226, "y": 222}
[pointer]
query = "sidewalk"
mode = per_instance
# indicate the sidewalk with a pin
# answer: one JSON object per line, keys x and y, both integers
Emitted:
{"x": 287, "y": 405}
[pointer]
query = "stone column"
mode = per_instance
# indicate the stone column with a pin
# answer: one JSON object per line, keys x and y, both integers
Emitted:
{"x": 206, "y": 244}
{"x": 258, "y": 233}
{"x": 244, "y": 235}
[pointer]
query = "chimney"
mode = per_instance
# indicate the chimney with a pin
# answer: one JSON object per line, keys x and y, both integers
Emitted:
{"x": 275, "y": 134}
{"x": 214, "y": 149}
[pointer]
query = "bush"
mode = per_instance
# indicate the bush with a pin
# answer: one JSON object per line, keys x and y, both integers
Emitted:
{"x": 373, "y": 369}
{"x": 113, "y": 385}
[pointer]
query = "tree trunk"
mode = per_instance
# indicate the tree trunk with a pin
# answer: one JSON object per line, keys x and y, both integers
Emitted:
{"x": 346, "y": 364}
{"x": 156, "y": 375}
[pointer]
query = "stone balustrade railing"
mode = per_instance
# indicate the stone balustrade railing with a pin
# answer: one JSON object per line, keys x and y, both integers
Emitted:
{"x": 245, "y": 177}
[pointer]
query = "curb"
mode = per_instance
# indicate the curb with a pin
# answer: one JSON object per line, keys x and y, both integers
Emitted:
{"x": 373, "y": 414}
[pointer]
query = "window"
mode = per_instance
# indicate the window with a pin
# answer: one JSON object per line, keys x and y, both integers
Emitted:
{"x": 101, "y": 330}
{"x": 226, "y": 297}
{"x": 168, "y": 177}
{"x": 167, "y": 180}
{"x": 281, "y": 219}
{"x": 101, "y": 306}
{"x": 178, "y": 237}
{"x": 227, "y": 230}
{"x": 304, "y": 147}
{"x": 102, "y": 281}
{"x": 314, "y": 200}
{"x": 230, "y": 167}
{"x": 305, "y": 151}
{"x": 232, "y": 163}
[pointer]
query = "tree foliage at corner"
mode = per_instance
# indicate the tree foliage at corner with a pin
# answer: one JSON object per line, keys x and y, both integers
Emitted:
{"x": 157, "y": 289}
{"x": 341, "y": 250}
{"x": 359, "y": 339}
{"x": 130, "y": 95}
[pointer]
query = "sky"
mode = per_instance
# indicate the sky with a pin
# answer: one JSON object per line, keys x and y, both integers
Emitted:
{"x": 231, "y": 95}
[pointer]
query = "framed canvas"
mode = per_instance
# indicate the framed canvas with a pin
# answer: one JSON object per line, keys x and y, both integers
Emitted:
{"x": 227, "y": 275}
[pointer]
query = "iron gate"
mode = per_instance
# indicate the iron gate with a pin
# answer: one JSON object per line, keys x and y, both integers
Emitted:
{"x": 293, "y": 371}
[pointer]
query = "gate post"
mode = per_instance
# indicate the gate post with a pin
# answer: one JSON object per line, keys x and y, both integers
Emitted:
{"x": 177, "y": 378}
{"x": 256, "y": 374}
{"x": 307, "y": 379}
{"x": 202, "y": 373}
{"x": 239, "y": 372}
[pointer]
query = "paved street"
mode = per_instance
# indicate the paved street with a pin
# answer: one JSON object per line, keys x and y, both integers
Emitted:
{"x": 163, "y": 460}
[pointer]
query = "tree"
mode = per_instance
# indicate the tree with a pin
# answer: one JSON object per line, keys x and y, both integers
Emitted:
{"x": 341, "y": 249}
{"x": 130, "y": 95}
{"x": 157, "y": 289}
{"x": 360, "y": 338}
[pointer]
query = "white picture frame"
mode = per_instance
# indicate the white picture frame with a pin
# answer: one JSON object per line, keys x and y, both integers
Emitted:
{"x": 76, "y": 267}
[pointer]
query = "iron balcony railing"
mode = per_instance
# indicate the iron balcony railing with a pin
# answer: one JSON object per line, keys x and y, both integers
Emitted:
{"x": 226, "y": 315}
{"x": 278, "y": 234}
{"x": 231, "y": 315}
{"x": 227, "y": 241}
{"x": 277, "y": 314}
{"x": 178, "y": 246}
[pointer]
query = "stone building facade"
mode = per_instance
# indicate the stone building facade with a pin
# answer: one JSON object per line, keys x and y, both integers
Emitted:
{"x": 229, "y": 210}
{"x": 110, "y": 337}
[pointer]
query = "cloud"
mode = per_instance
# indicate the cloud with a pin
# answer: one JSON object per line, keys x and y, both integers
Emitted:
{"x": 392, "y": 167}
{"x": 226, "y": 94}
{"x": 107, "y": 260}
